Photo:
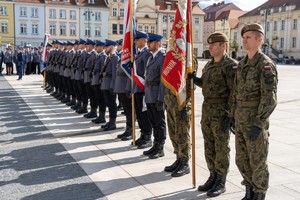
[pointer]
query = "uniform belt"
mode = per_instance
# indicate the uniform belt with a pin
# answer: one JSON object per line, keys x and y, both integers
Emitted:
{"x": 152, "y": 83}
{"x": 248, "y": 103}
{"x": 121, "y": 74}
{"x": 216, "y": 100}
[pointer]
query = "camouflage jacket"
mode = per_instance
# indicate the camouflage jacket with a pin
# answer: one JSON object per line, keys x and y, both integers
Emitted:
{"x": 217, "y": 81}
{"x": 256, "y": 87}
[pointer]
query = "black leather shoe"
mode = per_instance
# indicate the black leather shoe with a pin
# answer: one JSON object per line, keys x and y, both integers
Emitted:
{"x": 81, "y": 110}
{"x": 209, "y": 183}
{"x": 145, "y": 144}
{"x": 182, "y": 169}
{"x": 109, "y": 127}
{"x": 99, "y": 120}
{"x": 71, "y": 103}
{"x": 90, "y": 115}
{"x": 158, "y": 152}
{"x": 150, "y": 151}
{"x": 172, "y": 167}
{"x": 127, "y": 136}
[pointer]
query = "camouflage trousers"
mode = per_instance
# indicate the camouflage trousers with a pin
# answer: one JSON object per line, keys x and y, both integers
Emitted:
{"x": 216, "y": 141}
{"x": 251, "y": 156}
{"x": 179, "y": 130}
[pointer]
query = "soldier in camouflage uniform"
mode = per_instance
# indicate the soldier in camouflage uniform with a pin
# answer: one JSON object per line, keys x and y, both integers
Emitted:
{"x": 217, "y": 88}
{"x": 256, "y": 98}
{"x": 179, "y": 123}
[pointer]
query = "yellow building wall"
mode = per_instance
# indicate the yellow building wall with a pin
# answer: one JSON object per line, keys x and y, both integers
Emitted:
{"x": 9, "y": 37}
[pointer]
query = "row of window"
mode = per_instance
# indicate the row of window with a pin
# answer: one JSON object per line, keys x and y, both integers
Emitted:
{"x": 115, "y": 12}
{"x": 283, "y": 24}
{"x": 165, "y": 19}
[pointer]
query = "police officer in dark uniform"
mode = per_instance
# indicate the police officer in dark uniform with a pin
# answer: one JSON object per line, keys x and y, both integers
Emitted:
{"x": 82, "y": 96}
{"x": 108, "y": 83}
{"x": 89, "y": 65}
{"x": 95, "y": 82}
{"x": 144, "y": 141}
{"x": 154, "y": 96}
{"x": 119, "y": 53}
{"x": 124, "y": 100}
{"x": 67, "y": 72}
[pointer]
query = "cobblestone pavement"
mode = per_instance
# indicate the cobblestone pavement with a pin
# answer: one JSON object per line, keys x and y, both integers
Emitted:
{"x": 33, "y": 165}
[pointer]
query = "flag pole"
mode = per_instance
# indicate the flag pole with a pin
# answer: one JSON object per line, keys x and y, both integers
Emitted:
{"x": 189, "y": 19}
{"x": 131, "y": 8}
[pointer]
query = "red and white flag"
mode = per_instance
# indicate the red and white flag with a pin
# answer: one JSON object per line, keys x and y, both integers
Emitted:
{"x": 45, "y": 42}
{"x": 178, "y": 60}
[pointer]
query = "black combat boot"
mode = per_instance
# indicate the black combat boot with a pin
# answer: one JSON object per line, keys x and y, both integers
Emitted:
{"x": 100, "y": 119}
{"x": 111, "y": 125}
{"x": 82, "y": 110}
{"x": 127, "y": 135}
{"x": 66, "y": 100}
{"x": 218, "y": 188}
{"x": 123, "y": 134}
{"x": 182, "y": 169}
{"x": 91, "y": 114}
{"x": 158, "y": 152}
{"x": 71, "y": 103}
{"x": 146, "y": 142}
{"x": 172, "y": 167}
{"x": 249, "y": 193}
{"x": 209, "y": 183}
{"x": 259, "y": 196}
{"x": 151, "y": 150}
{"x": 140, "y": 139}
{"x": 77, "y": 106}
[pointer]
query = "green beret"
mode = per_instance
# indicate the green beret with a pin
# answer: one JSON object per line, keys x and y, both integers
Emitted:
{"x": 217, "y": 37}
{"x": 252, "y": 27}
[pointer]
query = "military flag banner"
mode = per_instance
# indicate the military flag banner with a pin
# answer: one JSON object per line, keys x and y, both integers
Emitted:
{"x": 127, "y": 41}
{"x": 45, "y": 42}
{"x": 178, "y": 60}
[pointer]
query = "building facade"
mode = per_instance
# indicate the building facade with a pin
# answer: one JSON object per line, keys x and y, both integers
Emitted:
{"x": 7, "y": 34}
{"x": 62, "y": 20}
{"x": 29, "y": 22}
{"x": 116, "y": 19}
{"x": 94, "y": 18}
{"x": 281, "y": 21}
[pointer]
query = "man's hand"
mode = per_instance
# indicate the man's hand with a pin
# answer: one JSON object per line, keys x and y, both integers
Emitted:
{"x": 130, "y": 65}
{"x": 229, "y": 124}
{"x": 159, "y": 105}
{"x": 192, "y": 75}
{"x": 254, "y": 133}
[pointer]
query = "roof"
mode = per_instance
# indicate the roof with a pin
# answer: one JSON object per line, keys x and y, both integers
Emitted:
{"x": 213, "y": 10}
{"x": 272, "y": 4}
{"x": 162, "y": 6}
{"x": 30, "y": 1}
{"x": 98, "y": 3}
{"x": 61, "y": 2}
{"x": 232, "y": 17}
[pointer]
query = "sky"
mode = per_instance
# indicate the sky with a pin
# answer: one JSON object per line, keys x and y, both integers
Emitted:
{"x": 242, "y": 4}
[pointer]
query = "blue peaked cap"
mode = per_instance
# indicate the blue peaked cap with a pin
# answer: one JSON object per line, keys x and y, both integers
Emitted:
{"x": 99, "y": 43}
{"x": 81, "y": 41}
{"x": 76, "y": 42}
{"x": 110, "y": 42}
{"x": 70, "y": 43}
{"x": 60, "y": 42}
{"x": 49, "y": 45}
{"x": 154, "y": 37}
{"x": 140, "y": 34}
{"x": 90, "y": 42}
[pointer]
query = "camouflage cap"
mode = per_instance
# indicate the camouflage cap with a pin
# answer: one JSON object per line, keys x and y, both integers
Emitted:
{"x": 217, "y": 37}
{"x": 252, "y": 27}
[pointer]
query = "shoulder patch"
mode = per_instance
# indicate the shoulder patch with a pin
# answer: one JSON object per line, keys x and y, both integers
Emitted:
{"x": 234, "y": 67}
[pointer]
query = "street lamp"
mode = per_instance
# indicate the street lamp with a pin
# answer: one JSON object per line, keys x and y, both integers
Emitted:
{"x": 265, "y": 13}
{"x": 88, "y": 15}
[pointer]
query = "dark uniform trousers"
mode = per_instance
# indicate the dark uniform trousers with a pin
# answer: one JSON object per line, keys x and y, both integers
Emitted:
{"x": 56, "y": 80}
{"x": 142, "y": 117}
{"x": 110, "y": 100}
{"x": 100, "y": 100}
{"x": 79, "y": 90}
{"x": 91, "y": 95}
{"x": 84, "y": 97}
{"x": 158, "y": 122}
{"x": 127, "y": 106}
